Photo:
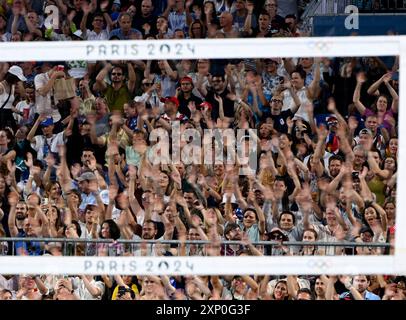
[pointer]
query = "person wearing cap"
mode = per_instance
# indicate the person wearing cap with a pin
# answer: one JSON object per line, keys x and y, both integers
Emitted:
{"x": 186, "y": 96}
{"x": 171, "y": 105}
{"x": 364, "y": 138}
{"x": 13, "y": 77}
{"x": 47, "y": 142}
{"x": 86, "y": 192}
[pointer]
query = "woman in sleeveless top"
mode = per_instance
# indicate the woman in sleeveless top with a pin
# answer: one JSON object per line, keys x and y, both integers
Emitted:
{"x": 7, "y": 90}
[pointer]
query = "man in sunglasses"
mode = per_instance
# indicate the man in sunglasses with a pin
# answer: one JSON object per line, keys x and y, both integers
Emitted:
{"x": 119, "y": 91}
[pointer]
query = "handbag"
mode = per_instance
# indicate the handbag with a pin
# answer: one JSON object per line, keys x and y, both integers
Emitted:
{"x": 64, "y": 88}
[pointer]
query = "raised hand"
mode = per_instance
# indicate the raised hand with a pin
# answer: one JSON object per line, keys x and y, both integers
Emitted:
{"x": 113, "y": 191}
{"x": 13, "y": 198}
{"x": 361, "y": 78}
{"x": 387, "y": 77}
{"x": 352, "y": 123}
{"x": 322, "y": 132}
{"x": 75, "y": 170}
{"x": 104, "y": 4}
{"x": 331, "y": 106}
{"x": 132, "y": 171}
{"x": 50, "y": 160}
{"x": 29, "y": 161}
{"x": 249, "y": 6}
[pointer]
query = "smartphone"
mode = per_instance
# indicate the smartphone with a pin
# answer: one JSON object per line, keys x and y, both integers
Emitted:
{"x": 60, "y": 68}
{"x": 44, "y": 201}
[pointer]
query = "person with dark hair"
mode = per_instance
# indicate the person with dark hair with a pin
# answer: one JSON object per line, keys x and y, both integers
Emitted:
{"x": 291, "y": 25}
{"x": 119, "y": 91}
{"x": 186, "y": 96}
{"x": 304, "y": 294}
{"x": 357, "y": 288}
{"x": 213, "y": 94}
{"x": 109, "y": 230}
{"x": 262, "y": 28}
{"x": 101, "y": 23}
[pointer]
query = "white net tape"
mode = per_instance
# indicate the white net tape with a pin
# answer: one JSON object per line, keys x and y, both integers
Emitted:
{"x": 212, "y": 49}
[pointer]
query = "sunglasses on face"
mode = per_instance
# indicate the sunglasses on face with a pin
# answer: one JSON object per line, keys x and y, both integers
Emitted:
{"x": 276, "y": 100}
{"x": 116, "y": 74}
{"x": 147, "y": 83}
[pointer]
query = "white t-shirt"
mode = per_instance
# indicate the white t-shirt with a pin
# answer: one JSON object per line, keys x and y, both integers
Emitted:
{"x": 41, "y": 144}
{"x": 83, "y": 293}
{"x": 44, "y": 103}
{"x": 93, "y": 36}
{"x": 289, "y": 103}
{"x": 31, "y": 113}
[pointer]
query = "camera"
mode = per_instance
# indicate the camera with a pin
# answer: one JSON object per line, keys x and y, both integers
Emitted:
{"x": 355, "y": 175}
{"x": 123, "y": 290}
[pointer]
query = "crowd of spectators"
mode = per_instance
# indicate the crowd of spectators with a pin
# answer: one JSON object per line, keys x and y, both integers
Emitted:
{"x": 75, "y": 138}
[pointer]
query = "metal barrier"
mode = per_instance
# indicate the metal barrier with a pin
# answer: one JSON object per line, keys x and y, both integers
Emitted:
{"x": 94, "y": 247}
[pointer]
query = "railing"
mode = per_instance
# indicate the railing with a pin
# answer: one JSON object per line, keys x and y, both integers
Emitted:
{"x": 92, "y": 247}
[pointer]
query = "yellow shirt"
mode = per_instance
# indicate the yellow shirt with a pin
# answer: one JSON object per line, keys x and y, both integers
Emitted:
{"x": 115, "y": 292}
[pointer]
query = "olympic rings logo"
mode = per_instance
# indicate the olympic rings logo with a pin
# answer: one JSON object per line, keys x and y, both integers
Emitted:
{"x": 320, "y": 46}
{"x": 319, "y": 264}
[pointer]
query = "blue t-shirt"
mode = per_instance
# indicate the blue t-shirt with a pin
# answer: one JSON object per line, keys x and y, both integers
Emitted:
{"x": 27, "y": 248}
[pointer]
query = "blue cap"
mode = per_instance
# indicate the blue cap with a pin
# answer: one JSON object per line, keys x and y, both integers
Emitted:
{"x": 47, "y": 122}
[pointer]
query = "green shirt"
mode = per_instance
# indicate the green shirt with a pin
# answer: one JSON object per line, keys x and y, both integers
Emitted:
{"x": 117, "y": 98}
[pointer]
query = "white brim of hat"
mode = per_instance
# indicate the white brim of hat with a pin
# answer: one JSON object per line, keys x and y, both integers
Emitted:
{"x": 77, "y": 73}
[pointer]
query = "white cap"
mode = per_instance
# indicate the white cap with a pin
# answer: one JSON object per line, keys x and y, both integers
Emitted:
{"x": 139, "y": 99}
{"x": 18, "y": 72}
{"x": 104, "y": 195}
{"x": 77, "y": 73}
